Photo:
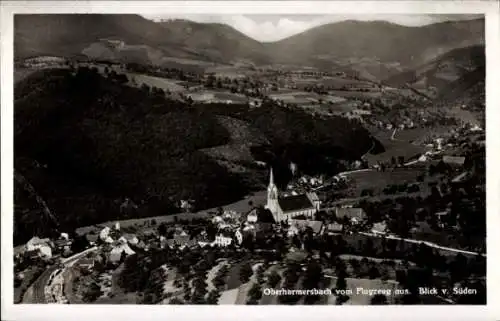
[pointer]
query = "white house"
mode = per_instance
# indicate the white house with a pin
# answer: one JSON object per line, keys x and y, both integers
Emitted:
{"x": 252, "y": 217}
{"x": 104, "y": 234}
{"x": 116, "y": 253}
{"x": 239, "y": 236}
{"x": 131, "y": 239}
{"x": 379, "y": 228}
{"x": 42, "y": 246}
{"x": 292, "y": 230}
{"x": 223, "y": 240}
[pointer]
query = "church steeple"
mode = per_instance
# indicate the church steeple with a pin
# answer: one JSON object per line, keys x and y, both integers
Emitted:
{"x": 272, "y": 194}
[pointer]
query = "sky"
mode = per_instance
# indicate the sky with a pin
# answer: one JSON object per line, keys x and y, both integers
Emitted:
{"x": 268, "y": 28}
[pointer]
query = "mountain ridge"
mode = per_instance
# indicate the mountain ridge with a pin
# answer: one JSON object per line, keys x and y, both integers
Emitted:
{"x": 330, "y": 46}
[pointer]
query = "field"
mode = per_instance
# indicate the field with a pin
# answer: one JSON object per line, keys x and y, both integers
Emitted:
{"x": 355, "y": 94}
{"x": 399, "y": 146}
{"x": 162, "y": 83}
{"x": 350, "y": 83}
{"x": 377, "y": 181}
{"x": 296, "y": 97}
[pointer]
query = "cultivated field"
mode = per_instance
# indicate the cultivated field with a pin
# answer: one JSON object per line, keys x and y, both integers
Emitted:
{"x": 377, "y": 181}
{"x": 162, "y": 83}
{"x": 356, "y": 94}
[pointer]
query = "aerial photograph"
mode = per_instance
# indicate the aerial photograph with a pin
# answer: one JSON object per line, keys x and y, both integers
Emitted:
{"x": 249, "y": 159}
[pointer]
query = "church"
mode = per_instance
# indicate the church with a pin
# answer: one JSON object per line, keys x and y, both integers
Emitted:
{"x": 285, "y": 208}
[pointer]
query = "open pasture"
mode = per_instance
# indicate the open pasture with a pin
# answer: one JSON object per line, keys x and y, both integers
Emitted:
{"x": 377, "y": 181}
{"x": 355, "y": 94}
{"x": 162, "y": 83}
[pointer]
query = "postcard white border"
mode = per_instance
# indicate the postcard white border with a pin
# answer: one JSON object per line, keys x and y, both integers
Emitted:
{"x": 219, "y": 313}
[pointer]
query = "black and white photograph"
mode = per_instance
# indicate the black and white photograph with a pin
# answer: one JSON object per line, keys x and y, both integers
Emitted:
{"x": 248, "y": 159}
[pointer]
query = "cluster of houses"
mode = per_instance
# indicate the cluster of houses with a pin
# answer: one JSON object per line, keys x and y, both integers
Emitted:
{"x": 45, "y": 248}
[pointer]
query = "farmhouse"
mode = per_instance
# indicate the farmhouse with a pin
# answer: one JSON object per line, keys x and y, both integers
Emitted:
{"x": 223, "y": 239}
{"x": 454, "y": 160}
{"x": 379, "y": 228}
{"x": 316, "y": 226}
{"x": 333, "y": 228}
{"x": 354, "y": 214}
{"x": 43, "y": 247}
{"x": 117, "y": 251}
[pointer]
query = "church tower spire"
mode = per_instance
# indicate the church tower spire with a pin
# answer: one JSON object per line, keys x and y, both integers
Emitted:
{"x": 272, "y": 194}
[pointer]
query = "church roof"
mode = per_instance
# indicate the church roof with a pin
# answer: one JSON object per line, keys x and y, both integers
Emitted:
{"x": 295, "y": 203}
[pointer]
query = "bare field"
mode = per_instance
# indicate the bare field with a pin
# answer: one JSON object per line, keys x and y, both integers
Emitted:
{"x": 356, "y": 94}
{"x": 162, "y": 83}
{"x": 379, "y": 180}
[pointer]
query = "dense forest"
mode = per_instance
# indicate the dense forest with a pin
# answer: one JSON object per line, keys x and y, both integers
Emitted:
{"x": 86, "y": 142}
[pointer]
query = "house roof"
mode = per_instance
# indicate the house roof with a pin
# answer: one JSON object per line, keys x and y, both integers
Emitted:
{"x": 295, "y": 203}
{"x": 314, "y": 225}
{"x": 225, "y": 233}
{"x": 92, "y": 237}
{"x": 379, "y": 227}
{"x": 38, "y": 241}
{"x": 456, "y": 160}
{"x": 129, "y": 236}
{"x": 351, "y": 212}
{"x": 334, "y": 227}
{"x": 313, "y": 196}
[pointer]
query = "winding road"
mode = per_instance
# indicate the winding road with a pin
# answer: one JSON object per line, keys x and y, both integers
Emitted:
{"x": 36, "y": 293}
{"x": 430, "y": 244}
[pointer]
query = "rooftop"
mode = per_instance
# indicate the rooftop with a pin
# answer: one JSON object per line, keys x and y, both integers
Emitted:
{"x": 456, "y": 160}
{"x": 295, "y": 203}
{"x": 351, "y": 212}
{"x": 314, "y": 225}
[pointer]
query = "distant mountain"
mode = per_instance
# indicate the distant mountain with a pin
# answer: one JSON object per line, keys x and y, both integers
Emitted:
{"x": 143, "y": 40}
{"x": 218, "y": 41}
{"x": 372, "y": 50}
{"x": 77, "y": 34}
{"x": 443, "y": 70}
{"x": 377, "y": 44}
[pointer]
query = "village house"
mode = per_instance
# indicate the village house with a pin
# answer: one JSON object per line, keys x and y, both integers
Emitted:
{"x": 223, "y": 239}
{"x": 181, "y": 240}
{"x": 92, "y": 238}
{"x": 456, "y": 161}
{"x": 42, "y": 247}
{"x": 105, "y": 235}
{"x": 379, "y": 228}
{"x": 302, "y": 225}
{"x": 441, "y": 216}
{"x": 354, "y": 214}
{"x": 333, "y": 228}
{"x": 131, "y": 238}
{"x": 117, "y": 250}
{"x": 239, "y": 236}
